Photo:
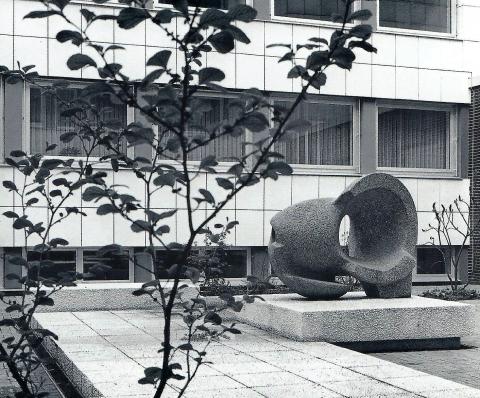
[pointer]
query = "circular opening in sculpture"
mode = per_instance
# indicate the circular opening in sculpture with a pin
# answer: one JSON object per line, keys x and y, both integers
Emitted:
{"x": 344, "y": 232}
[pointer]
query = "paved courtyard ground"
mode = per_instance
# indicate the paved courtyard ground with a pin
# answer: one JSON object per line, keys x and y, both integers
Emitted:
{"x": 111, "y": 349}
{"x": 462, "y": 366}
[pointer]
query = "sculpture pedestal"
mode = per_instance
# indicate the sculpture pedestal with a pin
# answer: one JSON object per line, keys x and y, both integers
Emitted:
{"x": 400, "y": 323}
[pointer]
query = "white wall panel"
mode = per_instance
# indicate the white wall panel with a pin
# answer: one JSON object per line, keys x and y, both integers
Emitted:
{"x": 56, "y": 23}
{"x": 255, "y": 31}
{"x": 69, "y": 229}
{"x": 123, "y": 234}
{"x": 6, "y": 197}
{"x": 222, "y": 218}
{"x": 6, "y": 51}
{"x": 58, "y": 55}
{"x": 249, "y": 231}
{"x": 429, "y": 85}
{"x": 28, "y": 27}
{"x": 450, "y": 84}
{"x": 6, "y": 237}
{"x": 428, "y": 193}
{"x": 331, "y": 187}
{"x": 336, "y": 81}
{"x": 383, "y": 81}
{"x": 225, "y": 62}
{"x": 467, "y": 26}
{"x": 267, "y": 227}
{"x": 135, "y": 35}
{"x": 452, "y": 189}
{"x": 101, "y": 30}
{"x": 250, "y": 71}
{"x": 406, "y": 83}
{"x": 406, "y": 51}
{"x": 157, "y": 37}
{"x": 302, "y": 34}
{"x": 385, "y": 45}
{"x": 359, "y": 81}
{"x": 6, "y": 17}
{"x": 276, "y": 33}
{"x": 218, "y": 192}
{"x": 96, "y": 230}
{"x": 276, "y": 75}
{"x": 278, "y": 194}
{"x": 251, "y": 197}
{"x": 31, "y": 51}
{"x": 133, "y": 61}
{"x": 412, "y": 185}
{"x": 304, "y": 188}
{"x": 172, "y": 62}
{"x": 35, "y": 215}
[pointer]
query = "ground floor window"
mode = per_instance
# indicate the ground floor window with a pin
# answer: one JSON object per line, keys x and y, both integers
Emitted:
{"x": 118, "y": 263}
{"x": 432, "y": 260}
{"x": 54, "y": 264}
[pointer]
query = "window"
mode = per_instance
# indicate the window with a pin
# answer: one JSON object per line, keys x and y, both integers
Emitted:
{"x": 431, "y": 261}
{"x": 119, "y": 263}
{"x": 60, "y": 262}
{"x": 224, "y": 4}
{"x": 210, "y": 114}
{"x": 414, "y": 138}
{"x": 310, "y": 9}
{"x": 47, "y": 124}
{"x": 328, "y": 140}
{"x": 426, "y": 15}
{"x": 225, "y": 263}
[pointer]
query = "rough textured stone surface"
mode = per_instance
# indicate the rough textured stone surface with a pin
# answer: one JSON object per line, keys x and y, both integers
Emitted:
{"x": 305, "y": 251}
{"x": 354, "y": 318}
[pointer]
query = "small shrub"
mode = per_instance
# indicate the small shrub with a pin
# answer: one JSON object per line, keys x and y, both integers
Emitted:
{"x": 452, "y": 295}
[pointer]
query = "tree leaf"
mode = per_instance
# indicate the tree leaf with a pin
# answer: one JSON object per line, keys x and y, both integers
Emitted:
{"x": 160, "y": 58}
{"x": 130, "y": 17}
{"x": 79, "y": 61}
{"x": 225, "y": 183}
{"x": 207, "y": 75}
{"x": 9, "y": 185}
{"x": 242, "y": 12}
{"x": 222, "y": 41}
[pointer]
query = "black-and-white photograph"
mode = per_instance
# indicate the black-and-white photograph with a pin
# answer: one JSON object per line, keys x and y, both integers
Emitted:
{"x": 239, "y": 199}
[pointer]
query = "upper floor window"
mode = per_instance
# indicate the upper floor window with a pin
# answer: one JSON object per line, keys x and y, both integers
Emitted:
{"x": 223, "y": 4}
{"x": 414, "y": 138}
{"x": 310, "y": 9}
{"x": 327, "y": 141}
{"x": 47, "y": 123}
{"x": 426, "y": 15}
{"x": 210, "y": 115}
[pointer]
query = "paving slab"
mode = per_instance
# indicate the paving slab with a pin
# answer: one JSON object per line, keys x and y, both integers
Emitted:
{"x": 252, "y": 364}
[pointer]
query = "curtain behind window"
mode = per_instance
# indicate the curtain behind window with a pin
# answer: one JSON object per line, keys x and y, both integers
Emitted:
{"x": 412, "y": 138}
{"x": 428, "y": 15}
{"x": 311, "y": 9}
{"x": 46, "y": 124}
{"x": 211, "y": 115}
{"x": 328, "y": 140}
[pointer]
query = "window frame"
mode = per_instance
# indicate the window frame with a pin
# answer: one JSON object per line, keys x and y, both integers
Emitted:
{"x": 26, "y": 133}
{"x": 310, "y": 21}
{"x": 423, "y": 33}
{"x": 158, "y": 5}
{"x": 452, "y": 171}
{"x": 316, "y": 169}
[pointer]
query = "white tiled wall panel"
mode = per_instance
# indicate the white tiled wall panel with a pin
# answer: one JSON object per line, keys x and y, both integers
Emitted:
{"x": 431, "y": 57}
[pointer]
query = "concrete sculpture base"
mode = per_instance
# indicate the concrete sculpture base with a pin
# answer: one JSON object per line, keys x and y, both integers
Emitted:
{"x": 414, "y": 321}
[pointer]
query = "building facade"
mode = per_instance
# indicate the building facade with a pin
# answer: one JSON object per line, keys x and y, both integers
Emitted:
{"x": 403, "y": 110}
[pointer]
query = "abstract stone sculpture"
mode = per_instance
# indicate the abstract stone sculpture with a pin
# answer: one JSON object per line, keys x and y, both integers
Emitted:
{"x": 305, "y": 250}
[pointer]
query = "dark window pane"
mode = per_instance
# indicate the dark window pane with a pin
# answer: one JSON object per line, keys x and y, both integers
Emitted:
{"x": 427, "y": 15}
{"x": 225, "y": 4}
{"x": 119, "y": 263}
{"x": 310, "y": 9}
{"x": 221, "y": 263}
{"x": 47, "y": 124}
{"x": 64, "y": 262}
{"x": 328, "y": 140}
{"x": 413, "y": 138}
{"x": 431, "y": 261}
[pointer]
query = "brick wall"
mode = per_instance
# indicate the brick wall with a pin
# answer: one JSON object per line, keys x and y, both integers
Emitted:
{"x": 474, "y": 173}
